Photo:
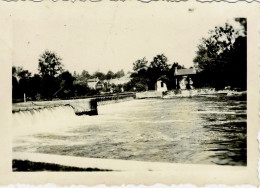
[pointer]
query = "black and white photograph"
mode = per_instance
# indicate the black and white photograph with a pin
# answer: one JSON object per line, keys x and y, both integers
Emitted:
{"x": 114, "y": 87}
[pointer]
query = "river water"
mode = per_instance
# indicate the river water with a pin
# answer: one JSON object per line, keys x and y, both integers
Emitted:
{"x": 182, "y": 130}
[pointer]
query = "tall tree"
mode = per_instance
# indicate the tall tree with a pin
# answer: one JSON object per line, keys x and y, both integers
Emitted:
{"x": 66, "y": 85}
{"x": 99, "y": 75}
{"x": 50, "y": 67}
{"x": 50, "y": 64}
{"x": 109, "y": 75}
{"x": 158, "y": 67}
{"x": 139, "y": 77}
{"x": 219, "y": 57}
{"x": 85, "y": 74}
{"x": 140, "y": 64}
{"x": 22, "y": 83}
{"x": 120, "y": 73}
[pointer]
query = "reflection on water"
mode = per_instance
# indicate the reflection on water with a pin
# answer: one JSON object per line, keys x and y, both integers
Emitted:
{"x": 182, "y": 130}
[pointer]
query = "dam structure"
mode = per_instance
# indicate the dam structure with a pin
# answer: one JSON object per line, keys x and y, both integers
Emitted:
{"x": 86, "y": 106}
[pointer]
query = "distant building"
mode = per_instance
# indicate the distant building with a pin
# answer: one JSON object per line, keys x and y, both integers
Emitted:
{"x": 183, "y": 78}
{"x": 122, "y": 80}
{"x": 161, "y": 85}
{"x": 95, "y": 83}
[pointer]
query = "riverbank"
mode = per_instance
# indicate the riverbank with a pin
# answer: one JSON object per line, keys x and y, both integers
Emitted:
{"x": 30, "y": 166}
{"x": 50, "y": 162}
{"x": 229, "y": 94}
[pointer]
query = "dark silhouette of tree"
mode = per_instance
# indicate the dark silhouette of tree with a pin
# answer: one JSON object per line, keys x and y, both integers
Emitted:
{"x": 99, "y": 75}
{"x": 119, "y": 74}
{"x": 139, "y": 81}
{"x": 221, "y": 58}
{"x": 109, "y": 75}
{"x": 50, "y": 67}
{"x": 21, "y": 80}
{"x": 66, "y": 85}
{"x": 140, "y": 64}
{"x": 35, "y": 87}
{"x": 85, "y": 74}
{"x": 157, "y": 68}
{"x": 50, "y": 64}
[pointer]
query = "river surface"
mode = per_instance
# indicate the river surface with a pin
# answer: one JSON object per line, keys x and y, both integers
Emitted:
{"x": 182, "y": 130}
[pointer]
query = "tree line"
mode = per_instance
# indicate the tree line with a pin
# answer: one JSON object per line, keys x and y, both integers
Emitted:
{"x": 220, "y": 61}
{"x": 145, "y": 74}
{"x": 53, "y": 81}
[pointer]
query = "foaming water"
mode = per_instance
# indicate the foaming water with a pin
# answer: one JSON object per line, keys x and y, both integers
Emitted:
{"x": 45, "y": 120}
{"x": 185, "y": 130}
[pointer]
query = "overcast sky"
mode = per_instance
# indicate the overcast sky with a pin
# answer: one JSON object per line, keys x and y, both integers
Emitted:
{"x": 102, "y": 37}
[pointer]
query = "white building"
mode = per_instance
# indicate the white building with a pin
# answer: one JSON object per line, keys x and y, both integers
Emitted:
{"x": 160, "y": 85}
{"x": 95, "y": 83}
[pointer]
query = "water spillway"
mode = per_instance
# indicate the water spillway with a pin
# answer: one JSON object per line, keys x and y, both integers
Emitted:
{"x": 86, "y": 106}
{"x": 47, "y": 120}
{"x": 38, "y": 117}
{"x": 80, "y": 106}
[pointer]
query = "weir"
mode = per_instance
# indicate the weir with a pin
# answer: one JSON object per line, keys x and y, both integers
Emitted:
{"x": 80, "y": 106}
{"x": 103, "y": 100}
{"x": 87, "y": 106}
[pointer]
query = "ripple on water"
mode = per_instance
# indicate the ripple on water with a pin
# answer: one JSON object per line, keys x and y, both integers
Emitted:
{"x": 188, "y": 130}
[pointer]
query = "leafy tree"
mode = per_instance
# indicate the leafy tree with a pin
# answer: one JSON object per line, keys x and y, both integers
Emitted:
{"x": 24, "y": 74}
{"x": 145, "y": 76}
{"x": 140, "y": 64}
{"x": 109, "y": 75}
{"x": 139, "y": 77}
{"x": 160, "y": 63}
{"x": 85, "y": 74}
{"x": 99, "y": 75}
{"x": 221, "y": 58}
{"x": 50, "y": 64}
{"x": 120, "y": 73}
{"x": 66, "y": 85}
{"x": 21, "y": 82}
{"x": 20, "y": 73}
{"x": 50, "y": 67}
{"x": 157, "y": 68}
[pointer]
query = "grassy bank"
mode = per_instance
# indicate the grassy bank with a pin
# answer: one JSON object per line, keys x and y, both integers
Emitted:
{"x": 26, "y": 165}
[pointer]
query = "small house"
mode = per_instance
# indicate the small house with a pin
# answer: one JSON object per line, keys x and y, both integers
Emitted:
{"x": 184, "y": 78}
{"x": 95, "y": 83}
{"x": 161, "y": 85}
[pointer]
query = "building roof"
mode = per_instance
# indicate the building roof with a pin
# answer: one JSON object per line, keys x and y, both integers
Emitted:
{"x": 162, "y": 78}
{"x": 122, "y": 80}
{"x": 92, "y": 85}
{"x": 182, "y": 72}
